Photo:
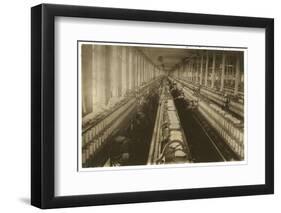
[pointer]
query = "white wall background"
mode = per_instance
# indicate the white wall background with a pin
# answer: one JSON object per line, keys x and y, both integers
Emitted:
{"x": 15, "y": 105}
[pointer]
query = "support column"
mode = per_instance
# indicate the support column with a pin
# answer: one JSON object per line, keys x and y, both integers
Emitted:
{"x": 131, "y": 68}
{"x": 201, "y": 69}
{"x": 114, "y": 73}
{"x": 197, "y": 70}
{"x": 206, "y": 68}
{"x": 99, "y": 70}
{"x": 237, "y": 75}
{"x": 123, "y": 71}
{"x": 186, "y": 71}
{"x": 107, "y": 75}
{"x": 213, "y": 70}
{"x": 138, "y": 69}
{"x": 86, "y": 51}
{"x": 222, "y": 72}
{"x": 146, "y": 71}
{"x": 119, "y": 71}
{"x": 128, "y": 69}
{"x": 194, "y": 70}
{"x": 94, "y": 77}
{"x": 150, "y": 72}
{"x": 182, "y": 71}
{"x": 141, "y": 70}
{"x": 191, "y": 71}
{"x": 134, "y": 70}
{"x": 135, "y": 59}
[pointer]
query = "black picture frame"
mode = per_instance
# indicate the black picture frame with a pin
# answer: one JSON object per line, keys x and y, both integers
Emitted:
{"x": 43, "y": 105}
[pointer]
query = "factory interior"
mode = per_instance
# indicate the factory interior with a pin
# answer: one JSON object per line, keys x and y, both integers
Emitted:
{"x": 160, "y": 104}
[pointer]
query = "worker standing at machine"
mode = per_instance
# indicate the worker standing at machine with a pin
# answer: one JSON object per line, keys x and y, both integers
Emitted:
{"x": 119, "y": 153}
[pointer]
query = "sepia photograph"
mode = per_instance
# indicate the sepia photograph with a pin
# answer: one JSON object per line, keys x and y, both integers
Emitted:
{"x": 136, "y": 105}
{"x": 152, "y": 104}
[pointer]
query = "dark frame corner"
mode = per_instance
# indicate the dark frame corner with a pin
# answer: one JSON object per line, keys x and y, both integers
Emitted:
{"x": 42, "y": 105}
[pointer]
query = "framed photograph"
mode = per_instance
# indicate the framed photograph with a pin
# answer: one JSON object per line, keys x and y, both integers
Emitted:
{"x": 140, "y": 106}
